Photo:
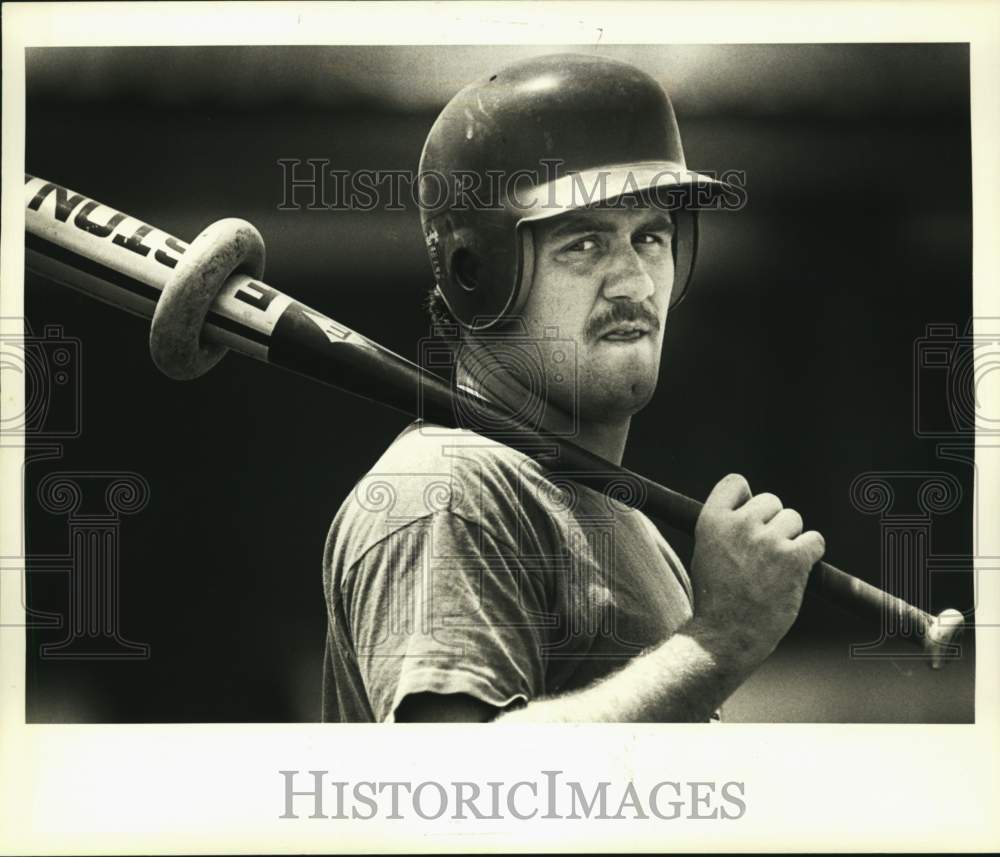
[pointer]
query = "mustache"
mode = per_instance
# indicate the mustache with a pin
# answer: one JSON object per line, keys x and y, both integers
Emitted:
{"x": 621, "y": 311}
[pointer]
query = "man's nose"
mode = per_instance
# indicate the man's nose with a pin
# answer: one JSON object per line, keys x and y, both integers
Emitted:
{"x": 628, "y": 277}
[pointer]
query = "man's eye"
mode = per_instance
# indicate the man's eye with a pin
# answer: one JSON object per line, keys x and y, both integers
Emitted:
{"x": 582, "y": 245}
{"x": 649, "y": 238}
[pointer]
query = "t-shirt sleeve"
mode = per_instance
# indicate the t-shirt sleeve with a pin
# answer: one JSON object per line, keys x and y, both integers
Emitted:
{"x": 441, "y": 606}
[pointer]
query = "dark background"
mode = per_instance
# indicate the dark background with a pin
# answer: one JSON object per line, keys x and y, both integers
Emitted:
{"x": 791, "y": 360}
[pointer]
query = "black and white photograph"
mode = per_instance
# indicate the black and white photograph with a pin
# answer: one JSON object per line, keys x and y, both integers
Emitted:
{"x": 635, "y": 392}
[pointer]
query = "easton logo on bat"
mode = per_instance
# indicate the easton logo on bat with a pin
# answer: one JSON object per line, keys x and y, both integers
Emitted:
{"x": 125, "y": 261}
{"x": 131, "y": 238}
{"x": 85, "y": 240}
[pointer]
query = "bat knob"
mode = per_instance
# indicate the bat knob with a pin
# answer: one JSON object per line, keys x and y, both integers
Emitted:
{"x": 941, "y": 636}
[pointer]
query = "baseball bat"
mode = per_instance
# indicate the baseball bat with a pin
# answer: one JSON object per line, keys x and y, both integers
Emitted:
{"x": 76, "y": 241}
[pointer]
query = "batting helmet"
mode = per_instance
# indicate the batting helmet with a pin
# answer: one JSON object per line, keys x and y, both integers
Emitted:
{"x": 534, "y": 140}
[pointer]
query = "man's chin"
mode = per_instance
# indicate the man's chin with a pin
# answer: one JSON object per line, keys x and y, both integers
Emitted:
{"x": 617, "y": 397}
{"x": 626, "y": 370}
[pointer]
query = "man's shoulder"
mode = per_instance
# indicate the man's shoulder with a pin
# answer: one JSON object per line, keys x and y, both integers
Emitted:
{"x": 422, "y": 442}
{"x": 430, "y": 469}
{"x": 426, "y": 457}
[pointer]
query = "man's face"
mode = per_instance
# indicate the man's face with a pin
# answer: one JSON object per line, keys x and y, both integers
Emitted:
{"x": 602, "y": 278}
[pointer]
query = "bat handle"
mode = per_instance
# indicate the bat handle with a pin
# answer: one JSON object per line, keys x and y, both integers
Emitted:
{"x": 937, "y": 635}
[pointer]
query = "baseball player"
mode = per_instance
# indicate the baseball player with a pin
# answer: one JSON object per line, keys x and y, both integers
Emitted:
{"x": 462, "y": 582}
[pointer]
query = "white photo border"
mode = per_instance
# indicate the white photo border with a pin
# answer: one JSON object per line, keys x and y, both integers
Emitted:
{"x": 216, "y": 788}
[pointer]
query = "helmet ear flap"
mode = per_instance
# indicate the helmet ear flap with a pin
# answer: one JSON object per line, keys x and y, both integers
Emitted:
{"x": 685, "y": 249}
{"x": 464, "y": 267}
{"x": 457, "y": 266}
{"x": 479, "y": 275}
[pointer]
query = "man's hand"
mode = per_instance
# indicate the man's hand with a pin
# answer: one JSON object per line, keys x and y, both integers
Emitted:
{"x": 750, "y": 566}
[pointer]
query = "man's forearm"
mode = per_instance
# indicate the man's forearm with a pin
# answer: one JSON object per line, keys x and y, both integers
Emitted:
{"x": 684, "y": 679}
